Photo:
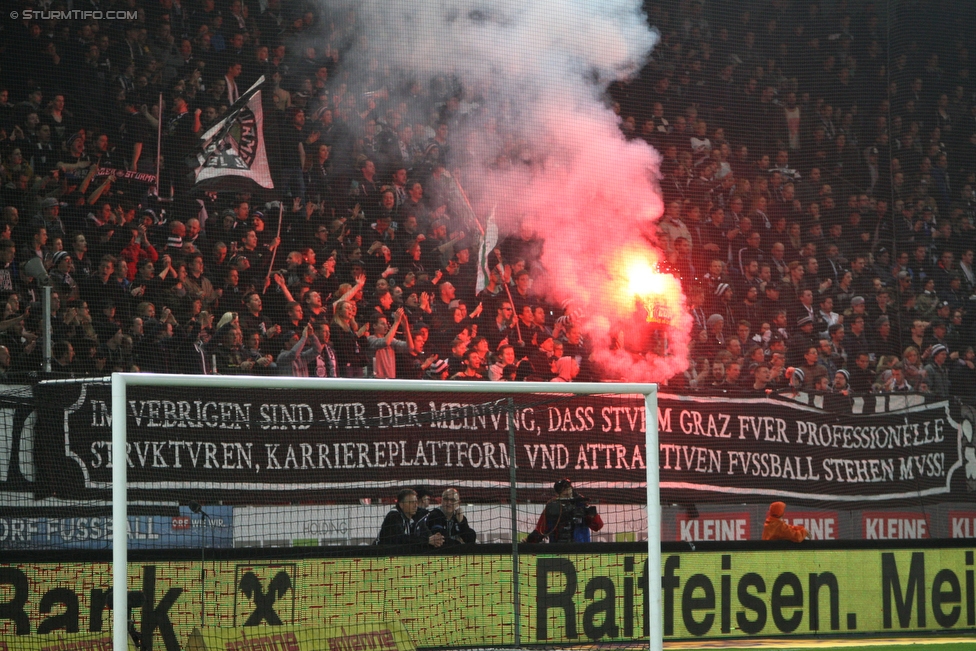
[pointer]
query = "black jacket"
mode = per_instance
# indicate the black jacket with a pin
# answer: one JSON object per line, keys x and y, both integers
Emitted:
{"x": 398, "y": 529}
{"x": 454, "y": 532}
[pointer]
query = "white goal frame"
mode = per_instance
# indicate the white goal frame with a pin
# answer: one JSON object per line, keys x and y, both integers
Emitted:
{"x": 121, "y": 381}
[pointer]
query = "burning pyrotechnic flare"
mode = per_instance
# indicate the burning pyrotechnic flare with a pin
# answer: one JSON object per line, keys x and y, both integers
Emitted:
{"x": 658, "y": 293}
{"x": 647, "y": 338}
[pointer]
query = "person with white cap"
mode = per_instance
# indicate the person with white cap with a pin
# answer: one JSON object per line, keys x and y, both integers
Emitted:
{"x": 438, "y": 370}
{"x": 61, "y": 268}
{"x": 714, "y": 337}
{"x": 937, "y": 373}
{"x": 565, "y": 369}
{"x": 858, "y": 308}
{"x": 723, "y": 304}
{"x": 801, "y": 339}
{"x": 842, "y": 380}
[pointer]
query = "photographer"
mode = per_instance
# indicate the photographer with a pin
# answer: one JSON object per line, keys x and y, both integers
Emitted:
{"x": 448, "y": 520}
{"x": 567, "y": 518}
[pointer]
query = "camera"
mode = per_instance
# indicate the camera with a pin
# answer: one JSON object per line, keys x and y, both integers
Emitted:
{"x": 577, "y": 509}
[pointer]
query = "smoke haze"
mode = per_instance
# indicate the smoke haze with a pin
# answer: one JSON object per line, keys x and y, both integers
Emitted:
{"x": 542, "y": 69}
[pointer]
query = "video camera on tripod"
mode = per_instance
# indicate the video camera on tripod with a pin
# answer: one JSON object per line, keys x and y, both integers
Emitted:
{"x": 576, "y": 508}
{"x": 573, "y": 507}
{"x": 567, "y": 518}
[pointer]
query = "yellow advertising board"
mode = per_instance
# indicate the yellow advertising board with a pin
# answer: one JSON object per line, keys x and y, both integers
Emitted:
{"x": 456, "y": 601}
{"x": 743, "y": 594}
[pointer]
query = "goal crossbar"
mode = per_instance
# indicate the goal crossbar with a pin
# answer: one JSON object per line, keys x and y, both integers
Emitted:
{"x": 121, "y": 381}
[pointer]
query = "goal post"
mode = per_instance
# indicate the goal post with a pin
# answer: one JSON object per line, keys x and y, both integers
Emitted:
{"x": 121, "y": 382}
{"x": 653, "y": 519}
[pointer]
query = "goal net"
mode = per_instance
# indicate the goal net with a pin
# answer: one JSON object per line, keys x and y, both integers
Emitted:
{"x": 270, "y": 495}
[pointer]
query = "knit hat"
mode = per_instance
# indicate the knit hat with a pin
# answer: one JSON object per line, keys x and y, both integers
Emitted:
{"x": 722, "y": 288}
{"x": 75, "y": 136}
{"x": 58, "y": 257}
{"x": 939, "y": 348}
{"x": 224, "y": 320}
{"x": 437, "y": 368}
{"x": 713, "y": 319}
{"x": 566, "y": 369}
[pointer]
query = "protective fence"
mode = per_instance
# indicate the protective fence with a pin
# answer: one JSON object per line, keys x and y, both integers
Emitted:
{"x": 273, "y": 501}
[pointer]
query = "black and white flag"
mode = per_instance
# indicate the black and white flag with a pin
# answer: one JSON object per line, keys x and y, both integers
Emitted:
{"x": 233, "y": 149}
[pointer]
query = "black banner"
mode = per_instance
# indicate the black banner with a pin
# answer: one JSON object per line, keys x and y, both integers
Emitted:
{"x": 261, "y": 445}
{"x": 125, "y": 175}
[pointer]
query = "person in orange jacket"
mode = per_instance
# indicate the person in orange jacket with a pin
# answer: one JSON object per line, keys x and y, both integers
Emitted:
{"x": 775, "y": 529}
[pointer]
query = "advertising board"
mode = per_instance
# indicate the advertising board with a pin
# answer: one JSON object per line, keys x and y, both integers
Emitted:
{"x": 180, "y": 531}
{"x": 466, "y": 600}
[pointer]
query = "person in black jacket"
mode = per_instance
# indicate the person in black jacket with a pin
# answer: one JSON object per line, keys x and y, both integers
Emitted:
{"x": 349, "y": 341}
{"x": 448, "y": 520}
{"x": 400, "y": 528}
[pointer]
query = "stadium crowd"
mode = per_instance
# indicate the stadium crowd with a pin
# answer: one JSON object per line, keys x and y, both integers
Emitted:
{"x": 818, "y": 181}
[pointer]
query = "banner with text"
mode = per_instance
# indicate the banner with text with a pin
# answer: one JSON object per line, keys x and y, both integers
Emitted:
{"x": 308, "y": 444}
{"x": 212, "y": 530}
{"x": 567, "y": 598}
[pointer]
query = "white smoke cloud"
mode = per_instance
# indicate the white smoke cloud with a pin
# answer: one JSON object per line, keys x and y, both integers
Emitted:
{"x": 589, "y": 192}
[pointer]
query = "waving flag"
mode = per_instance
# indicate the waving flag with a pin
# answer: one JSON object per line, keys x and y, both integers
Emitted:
{"x": 488, "y": 241}
{"x": 233, "y": 149}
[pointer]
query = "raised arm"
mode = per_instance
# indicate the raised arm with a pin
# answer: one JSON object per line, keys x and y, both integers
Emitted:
{"x": 92, "y": 171}
{"x": 398, "y": 317}
{"x": 406, "y": 330}
{"x": 360, "y": 283}
{"x": 283, "y": 286}
{"x": 100, "y": 190}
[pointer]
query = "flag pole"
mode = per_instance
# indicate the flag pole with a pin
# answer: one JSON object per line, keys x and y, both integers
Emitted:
{"x": 464, "y": 195}
{"x": 509, "y": 293}
{"x": 159, "y": 144}
{"x": 281, "y": 214}
{"x": 216, "y": 132}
